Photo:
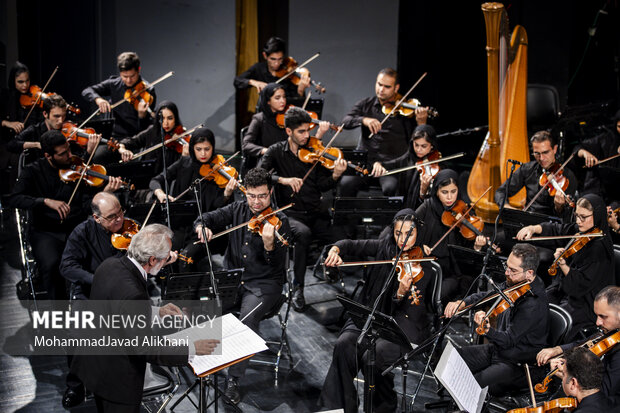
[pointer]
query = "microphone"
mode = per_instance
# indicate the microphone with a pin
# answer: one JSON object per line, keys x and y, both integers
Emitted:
{"x": 512, "y": 161}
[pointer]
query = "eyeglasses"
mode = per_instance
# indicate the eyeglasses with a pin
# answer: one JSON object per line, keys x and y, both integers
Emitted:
{"x": 116, "y": 216}
{"x": 261, "y": 197}
{"x": 539, "y": 154}
{"x": 582, "y": 217}
{"x": 511, "y": 270}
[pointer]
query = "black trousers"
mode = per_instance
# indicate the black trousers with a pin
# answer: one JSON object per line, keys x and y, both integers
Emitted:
{"x": 47, "y": 248}
{"x": 303, "y": 229}
{"x": 107, "y": 406}
{"x": 351, "y": 184}
{"x": 339, "y": 391}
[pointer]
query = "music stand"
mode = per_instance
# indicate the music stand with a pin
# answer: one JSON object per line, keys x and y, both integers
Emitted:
{"x": 357, "y": 157}
{"x": 473, "y": 259}
{"x": 369, "y": 212}
{"x": 182, "y": 213}
{"x": 515, "y": 219}
{"x": 102, "y": 126}
{"x": 139, "y": 172}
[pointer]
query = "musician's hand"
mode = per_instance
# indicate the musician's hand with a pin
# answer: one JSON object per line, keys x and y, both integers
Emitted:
{"x": 527, "y": 232}
{"x": 170, "y": 310}
{"x": 425, "y": 183}
{"x": 590, "y": 160}
{"x": 104, "y": 105}
{"x": 230, "y": 187}
{"x": 547, "y": 354}
{"x": 16, "y": 126}
{"x": 269, "y": 236}
{"x": 114, "y": 184}
{"x": 378, "y": 170}
{"x": 612, "y": 219}
{"x": 304, "y": 82}
{"x": 61, "y": 207}
{"x": 29, "y": 145}
{"x": 258, "y": 84}
{"x": 556, "y": 255}
{"x": 558, "y": 363}
{"x": 126, "y": 154}
{"x": 208, "y": 232}
{"x": 172, "y": 257}
{"x": 421, "y": 115}
{"x": 373, "y": 124}
{"x": 339, "y": 167}
{"x": 559, "y": 201}
{"x": 93, "y": 142}
{"x": 205, "y": 347}
{"x": 185, "y": 150}
{"x": 161, "y": 196}
{"x": 508, "y": 206}
{"x": 453, "y": 307}
{"x": 480, "y": 318}
{"x": 294, "y": 183}
{"x": 323, "y": 127}
{"x": 143, "y": 107}
{"x": 405, "y": 284}
{"x": 480, "y": 242}
{"x": 333, "y": 259}
{"x": 427, "y": 250}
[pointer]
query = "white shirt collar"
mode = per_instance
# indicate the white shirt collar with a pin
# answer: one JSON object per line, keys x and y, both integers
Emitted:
{"x": 142, "y": 270}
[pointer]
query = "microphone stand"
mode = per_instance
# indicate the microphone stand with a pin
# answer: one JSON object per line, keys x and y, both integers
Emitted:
{"x": 372, "y": 335}
{"x": 163, "y": 159}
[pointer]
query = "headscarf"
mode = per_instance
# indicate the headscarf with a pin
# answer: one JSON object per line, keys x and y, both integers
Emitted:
{"x": 442, "y": 176}
{"x": 265, "y": 95}
{"x": 201, "y": 135}
{"x": 599, "y": 215}
{"x": 428, "y": 133}
{"x": 172, "y": 107}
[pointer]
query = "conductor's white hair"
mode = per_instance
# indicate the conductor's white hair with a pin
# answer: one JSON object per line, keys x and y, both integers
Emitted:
{"x": 150, "y": 241}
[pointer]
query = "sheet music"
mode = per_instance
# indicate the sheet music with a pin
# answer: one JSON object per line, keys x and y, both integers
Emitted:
{"x": 454, "y": 374}
{"x": 237, "y": 341}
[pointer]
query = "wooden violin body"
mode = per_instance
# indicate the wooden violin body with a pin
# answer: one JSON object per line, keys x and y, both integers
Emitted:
{"x": 80, "y": 136}
{"x": 122, "y": 239}
{"x": 412, "y": 269}
{"x": 94, "y": 175}
{"x": 138, "y": 94}
{"x": 503, "y": 305}
{"x": 470, "y": 226}
{"x": 406, "y": 108}
{"x": 573, "y": 247}
{"x": 36, "y": 96}
{"x": 257, "y": 223}
{"x": 219, "y": 172}
{"x": 289, "y": 65}
{"x": 314, "y": 151}
{"x": 552, "y": 406}
{"x": 177, "y": 144}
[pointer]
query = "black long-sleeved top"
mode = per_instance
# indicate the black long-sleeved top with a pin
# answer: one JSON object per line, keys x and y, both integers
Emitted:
{"x": 591, "y": 269}
{"x": 259, "y": 71}
{"x": 411, "y": 318}
{"x": 31, "y": 134}
{"x": 393, "y": 139}
{"x": 88, "y": 245}
{"x": 596, "y": 403}
{"x": 527, "y": 176}
{"x": 286, "y": 164}
{"x": 602, "y": 146}
{"x": 264, "y": 270}
{"x": 408, "y": 181}
{"x": 126, "y": 120}
{"x": 149, "y": 137}
{"x": 39, "y": 180}
{"x": 13, "y": 111}
{"x": 262, "y": 133}
{"x": 522, "y": 330}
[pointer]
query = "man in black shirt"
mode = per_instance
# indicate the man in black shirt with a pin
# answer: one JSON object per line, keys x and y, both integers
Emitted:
{"x": 389, "y": 141}
{"x": 521, "y": 330}
{"x": 261, "y": 256}
{"x": 527, "y": 176}
{"x": 307, "y": 217}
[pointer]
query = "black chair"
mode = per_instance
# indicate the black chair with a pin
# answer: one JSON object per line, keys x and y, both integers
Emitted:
{"x": 617, "y": 263}
{"x": 247, "y": 162}
{"x": 561, "y": 323}
{"x": 543, "y": 106}
{"x": 434, "y": 303}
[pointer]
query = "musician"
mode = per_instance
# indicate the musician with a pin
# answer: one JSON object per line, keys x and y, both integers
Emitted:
{"x": 596, "y": 149}
{"x": 307, "y": 217}
{"x": 262, "y": 73}
{"x": 40, "y": 190}
{"x": 184, "y": 172}
{"x": 261, "y": 255}
{"x": 587, "y": 271}
{"x": 339, "y": 389}
{"x": 117, "y": 380}
{"x": 166, "y": 121}
{"x": 389, "y": 141}
{"x": 264, "y": 131}
{"x": 127, "y": 120}
{"x": 527, "y": 176}
{"x": 607, "y": 310}
{"x": 444, "y": 196}
{"x": 521, "y": 331}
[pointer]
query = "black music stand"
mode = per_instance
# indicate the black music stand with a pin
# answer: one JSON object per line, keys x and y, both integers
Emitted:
{"x": 371, "y": 212}
{"x": 357, "y": 157}
{"x": 474, "y": 260}
{"x": 515, "y": 219}
{"x": 182, "y": 213}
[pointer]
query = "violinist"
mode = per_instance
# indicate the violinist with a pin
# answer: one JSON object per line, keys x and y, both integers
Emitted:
{"x": 40, "y": 190}
{"x": 166, "y": 122}
{"x": 607, "y": 310}
{"x": 262, "y": 73}
{"x": 264, "y": 131}
{"x": 261, "y": 256}
{"x": 520, "y": 333}
{"x": 584, "y": 273}
{"x": 184, "y": 172}
{"x": 444, "y": 196}
{"x": 308, "y": 218}
{"x": 528, "y": 175}
{"x": 389, "y": 141}
{"x": 339, "y": 389}
{"x": 128, "y": 121}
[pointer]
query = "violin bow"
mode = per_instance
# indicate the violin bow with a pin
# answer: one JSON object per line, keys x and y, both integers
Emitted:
{"x": 400, "y": 101}
{"x": 553, "y": 176}
{"x": 84, "y": 170}
{"x": 489, "y": 298}
{"x": 40, "y": 94}
{"x": 357, "y": 263}
{"x": 166, "y": 142}
{"x": 149, "y": 213}
{"x": 406, "y": 168}
{"x": 207, "y": 175}
{"x": 306, "y": 101}
{"x": 529, "y": 383}
{"x": 605, "y": 160}
{"x": 298, "y": 67}
{"x": 458, "y": 221}
{"x": 591, "y": 235}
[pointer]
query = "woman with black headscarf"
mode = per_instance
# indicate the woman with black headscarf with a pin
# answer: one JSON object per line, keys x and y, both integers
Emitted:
{"x": 338, "y": 389}
{"x": 444, "y": 195}
{"x": 582, "y": 275}
{"x": 263, "y": 130}
{"x": 166, "y": 122}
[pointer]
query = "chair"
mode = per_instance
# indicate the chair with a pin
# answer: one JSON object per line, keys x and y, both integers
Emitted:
{"x": 543, "y": 106}
{"x": 617, "y": 263}
{"x": 247, "y": 162}
{"x": 561, "y": 323}
{"x": 434, "y": 304}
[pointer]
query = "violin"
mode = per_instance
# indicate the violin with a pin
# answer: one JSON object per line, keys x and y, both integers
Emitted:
{"x": 177, "y": 144}
{"x": 36, "y": 96}
{"x": 314, "y": 151}
{"x": 313, "y": 116}
{"x": 94, "y": 175}
{"x": 81, "y": 136}
{"x": 257, "y": 223}
{"x": 424, "y": 168}
{"x": 552, "y": 406}
{"x": 138, "y": 94}
{"x": 574, "y": 245}
{"x": 503, "y": 305}
{"x": 220, "y": 173}
{"x": 555, "y": 182}
{"x": 406, "y": 108}
{"x": 289, "y": 65}
{"x": 470, "y": 227}
{"x": 413, "y": 269}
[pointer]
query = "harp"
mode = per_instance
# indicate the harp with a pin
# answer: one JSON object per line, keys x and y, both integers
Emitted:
{"x": 507, "y": 107}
